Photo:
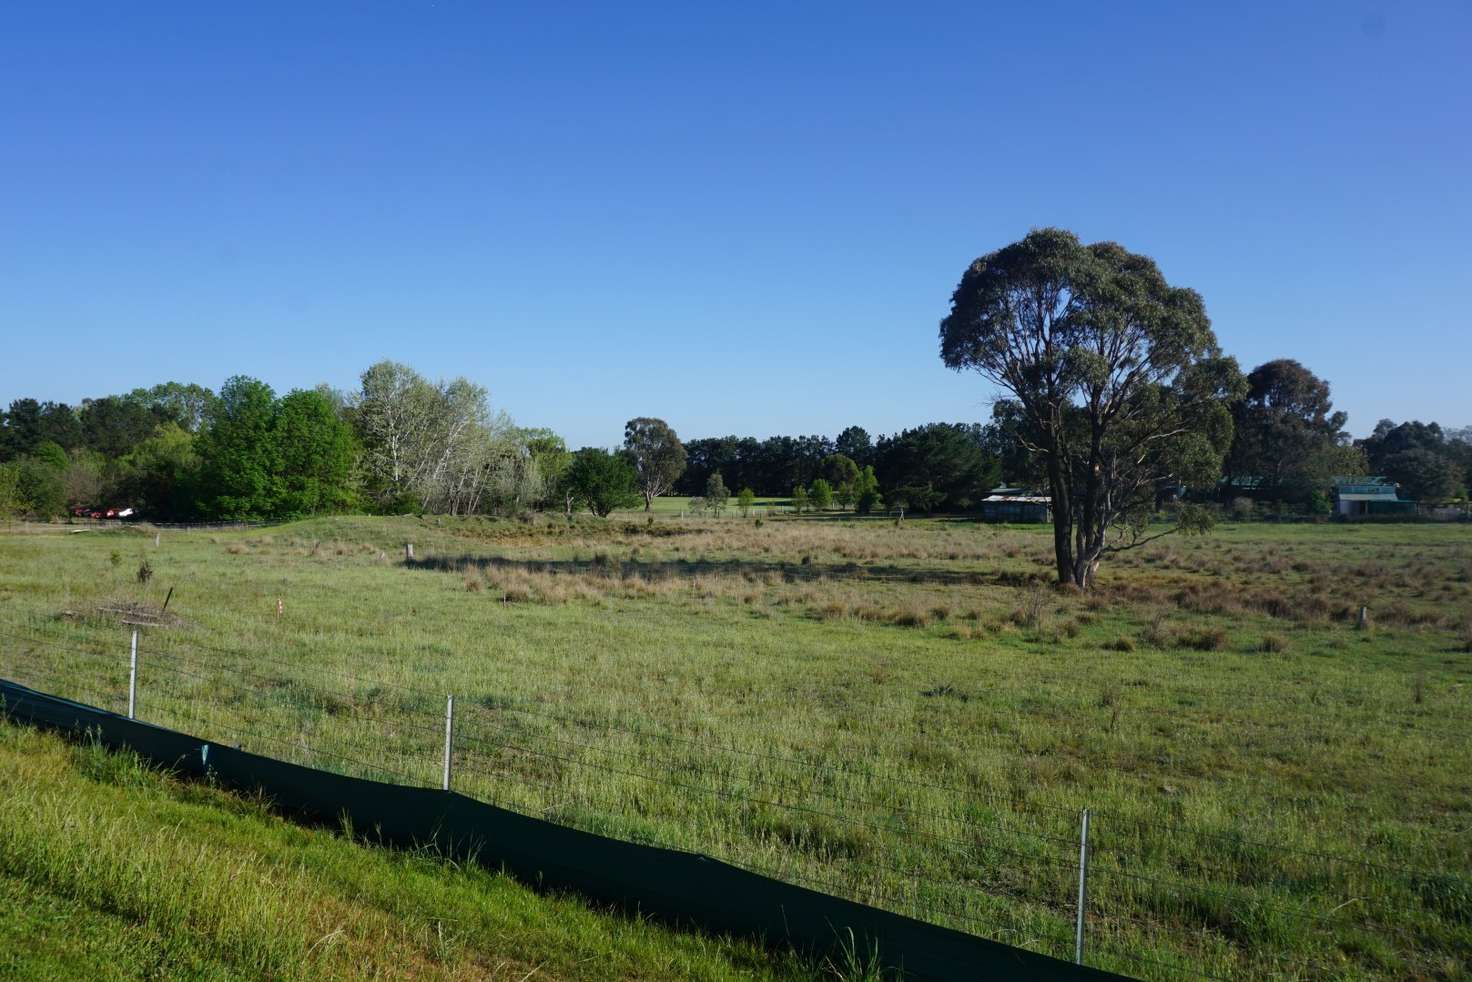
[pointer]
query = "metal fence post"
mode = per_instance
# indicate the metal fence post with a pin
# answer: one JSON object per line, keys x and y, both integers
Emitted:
{"x": 449, "y": 739}
{"x": 1083, "y": 878}
{"x": 133, "y": 675}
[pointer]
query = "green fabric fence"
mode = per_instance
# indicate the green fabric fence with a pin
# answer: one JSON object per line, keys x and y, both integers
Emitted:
{"x": 678, "y": 887}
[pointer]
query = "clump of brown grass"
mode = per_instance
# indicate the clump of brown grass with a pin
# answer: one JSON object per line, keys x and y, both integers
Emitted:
{"x": 831, "y": 611}
{"x": 1203, "y": 639}
{"x": 1033, "y": 611}
{"x": 908, "y": 618}
{"x": 1157, "y": 634}
{"x": 1272, "y": 644}
{"x": 1400, "y": 612}
{"x": 1202, "y": 598}
{"x": 1121, "y": 643}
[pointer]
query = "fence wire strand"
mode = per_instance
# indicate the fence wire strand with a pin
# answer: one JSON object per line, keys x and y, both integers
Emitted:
{"x": 488, "y": 741}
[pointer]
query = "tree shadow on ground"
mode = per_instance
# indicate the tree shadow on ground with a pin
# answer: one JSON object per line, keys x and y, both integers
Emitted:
{"x": 748, "y": 569}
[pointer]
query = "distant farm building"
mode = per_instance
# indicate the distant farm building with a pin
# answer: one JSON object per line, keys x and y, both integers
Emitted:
{"x": 1360, "y": 497}
{"x": 1241, "y": 484}
{"x": 1016, "y": 505}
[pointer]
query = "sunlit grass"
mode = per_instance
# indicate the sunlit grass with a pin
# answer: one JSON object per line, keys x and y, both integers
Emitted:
{"x": 904, "y": 713}
{"x": 111, "y": 870}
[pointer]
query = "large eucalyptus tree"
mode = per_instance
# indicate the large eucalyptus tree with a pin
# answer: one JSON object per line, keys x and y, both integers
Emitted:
{"x": 1123, "y": 391}
{"x": 657, "y": 454}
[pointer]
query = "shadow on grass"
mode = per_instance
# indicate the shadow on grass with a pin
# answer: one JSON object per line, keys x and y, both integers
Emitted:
{"x": 749, "y": 569}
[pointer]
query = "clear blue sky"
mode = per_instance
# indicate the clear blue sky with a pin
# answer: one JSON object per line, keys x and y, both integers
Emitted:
{"x": 740, "y": 217}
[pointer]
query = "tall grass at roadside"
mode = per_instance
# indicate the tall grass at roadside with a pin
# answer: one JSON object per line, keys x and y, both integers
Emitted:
{"x": 148, "y": 877}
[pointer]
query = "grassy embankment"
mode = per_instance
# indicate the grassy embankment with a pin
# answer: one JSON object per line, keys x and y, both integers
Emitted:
{"x": 109, "y": 869}
{"x": 906, "y": 714}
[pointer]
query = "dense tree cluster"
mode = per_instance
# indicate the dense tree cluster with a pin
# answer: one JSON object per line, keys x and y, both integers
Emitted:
{"x": 1288, "y": 442}
{"x": 1116, "y": 398}
{"x": 1429, "y": 463}
{"x": 401, "y": 443}
{"x": 934, "y": 467}
{"x": 181, "y": 452}
{"x": 769, "y": 467}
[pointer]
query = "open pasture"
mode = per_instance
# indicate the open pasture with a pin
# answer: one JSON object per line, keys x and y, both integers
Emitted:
{"x": 908, "y": 714}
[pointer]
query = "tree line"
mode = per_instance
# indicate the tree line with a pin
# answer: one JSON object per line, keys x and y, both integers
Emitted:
{"x": 1116, "y": 398}
{"x": 933, "y": 467}
{"x": 401, "y": 443}
{"x": 176, "y": 451}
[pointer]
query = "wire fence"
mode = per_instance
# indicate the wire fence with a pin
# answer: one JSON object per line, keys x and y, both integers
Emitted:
{"x": 1136, "y": 895}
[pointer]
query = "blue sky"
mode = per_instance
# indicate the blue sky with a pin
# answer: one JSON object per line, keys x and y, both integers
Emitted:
{"x": 742, "y": 218}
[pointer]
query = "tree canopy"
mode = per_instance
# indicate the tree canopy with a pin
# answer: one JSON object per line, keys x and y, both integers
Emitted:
{"x": 1122, "y": 387}
{"x": 1425, "y": 475}
{"x": 1283, "y": 424}
{"x": 1420, "y": 458}
{"x": 602, "y": 481}
{"x": 855, "y": 444}
{"x": 939, "y": 466}
{"x": 316, "y": 452}
{"x": 240, "y": 455}
{"x": 657, "y": 454}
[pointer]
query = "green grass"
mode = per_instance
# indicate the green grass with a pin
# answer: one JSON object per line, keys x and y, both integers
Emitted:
{"x": 906, "y": 714}
{"x": 669, "y": 506}
{"x": 110, "y": 869}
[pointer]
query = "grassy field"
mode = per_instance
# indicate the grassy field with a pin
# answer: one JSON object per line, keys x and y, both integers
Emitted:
{"x": 111, "y": 870}
{"x": 670, "y": 506}
{"x": 907, "y": 714}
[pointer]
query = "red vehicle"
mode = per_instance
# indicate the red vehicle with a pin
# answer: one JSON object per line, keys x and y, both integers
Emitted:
{"x": 104, "y": 514}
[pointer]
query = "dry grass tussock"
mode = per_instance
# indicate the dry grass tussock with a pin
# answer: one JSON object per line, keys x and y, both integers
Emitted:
{"x": 558, "y": 586}
{"x": 125, "y": 611}
{"x": 965, "y": 580}
{"x": 820, "y": 541}
{"x": 822, "y": 599}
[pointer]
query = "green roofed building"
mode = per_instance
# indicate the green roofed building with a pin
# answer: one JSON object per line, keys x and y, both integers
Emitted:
{"x": 1019, "y": 505}
{"x": 1358, "y": 497}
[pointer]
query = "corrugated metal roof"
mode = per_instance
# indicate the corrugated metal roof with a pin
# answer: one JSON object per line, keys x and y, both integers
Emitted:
{"x": 1387, "y": 496}
{"x": 1019, "y": 498}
